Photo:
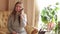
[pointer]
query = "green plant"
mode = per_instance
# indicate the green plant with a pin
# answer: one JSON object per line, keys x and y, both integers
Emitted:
{"x": 49, "y": 14}
{"x": 57, "y": 28}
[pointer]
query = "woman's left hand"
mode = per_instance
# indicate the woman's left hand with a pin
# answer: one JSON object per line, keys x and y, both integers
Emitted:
{"x": 22, "y": 16}
{"x": 23, "y": 20}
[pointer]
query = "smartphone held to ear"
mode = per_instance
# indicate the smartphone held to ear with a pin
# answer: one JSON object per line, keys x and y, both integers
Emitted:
{"x": 21, "y": 11}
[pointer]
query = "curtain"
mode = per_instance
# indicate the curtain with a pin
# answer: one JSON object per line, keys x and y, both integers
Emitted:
{"x": 32, "y": 13}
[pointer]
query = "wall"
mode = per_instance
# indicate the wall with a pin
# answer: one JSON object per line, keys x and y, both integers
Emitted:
{"x": 11, "y": 4}
{"x": 3, "y": 4}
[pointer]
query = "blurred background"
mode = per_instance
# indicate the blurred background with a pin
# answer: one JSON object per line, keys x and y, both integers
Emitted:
{"x": 41, "y": 14}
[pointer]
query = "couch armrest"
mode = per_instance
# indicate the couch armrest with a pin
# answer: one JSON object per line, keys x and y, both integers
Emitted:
{"x": 31, "y": 29}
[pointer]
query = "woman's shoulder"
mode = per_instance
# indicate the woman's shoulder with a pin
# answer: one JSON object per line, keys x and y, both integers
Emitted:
{"x": 25, "y": 14}
{"x": 10, "y": 16}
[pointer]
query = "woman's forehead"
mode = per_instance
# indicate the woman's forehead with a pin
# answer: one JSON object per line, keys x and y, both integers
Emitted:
{"x": 19, "y": 5}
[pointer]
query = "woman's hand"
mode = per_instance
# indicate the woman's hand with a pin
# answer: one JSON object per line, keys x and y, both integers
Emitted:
{"x": 14, "y": 32}
{"x": 22, "y": 16}
{"x": 23, "y": 20}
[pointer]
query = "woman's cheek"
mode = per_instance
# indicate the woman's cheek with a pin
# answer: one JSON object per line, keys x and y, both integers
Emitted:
{"x": 17, "y": 9}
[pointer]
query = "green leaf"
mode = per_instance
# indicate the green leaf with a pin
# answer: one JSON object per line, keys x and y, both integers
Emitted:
{"x": 57, "y": 3}
{"x": 44, "y": 19}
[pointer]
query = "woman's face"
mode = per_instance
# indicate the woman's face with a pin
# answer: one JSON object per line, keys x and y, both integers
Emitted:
{"x": 18, "y": 7}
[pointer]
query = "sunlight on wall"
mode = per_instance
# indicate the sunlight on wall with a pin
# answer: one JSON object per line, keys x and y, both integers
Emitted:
{"x": 44, "y": 3}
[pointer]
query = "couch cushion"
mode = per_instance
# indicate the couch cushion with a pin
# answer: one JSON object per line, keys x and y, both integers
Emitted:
{"x": 3, "y": 21}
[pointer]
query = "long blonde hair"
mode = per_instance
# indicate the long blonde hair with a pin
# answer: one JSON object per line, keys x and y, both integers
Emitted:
{"x": 14, "y": 11}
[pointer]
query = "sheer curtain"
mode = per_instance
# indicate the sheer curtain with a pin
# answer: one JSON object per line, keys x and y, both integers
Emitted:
{"x": 32, "y": 13}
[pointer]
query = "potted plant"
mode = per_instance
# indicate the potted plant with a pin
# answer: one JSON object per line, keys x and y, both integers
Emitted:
{"x": 49, "y": 15}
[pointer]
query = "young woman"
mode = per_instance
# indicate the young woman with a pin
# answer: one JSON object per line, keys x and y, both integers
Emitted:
{"x": 17, "y": 20}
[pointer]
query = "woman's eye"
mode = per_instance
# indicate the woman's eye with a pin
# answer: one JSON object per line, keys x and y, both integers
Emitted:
{"x": 20, "y": 6}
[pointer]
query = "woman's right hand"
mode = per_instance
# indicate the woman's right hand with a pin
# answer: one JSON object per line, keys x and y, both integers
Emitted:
{"x": 14, "y": 32}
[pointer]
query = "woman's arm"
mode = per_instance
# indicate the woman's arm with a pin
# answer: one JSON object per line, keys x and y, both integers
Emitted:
{"x": 9, "y": 24}
{"x": 23, "y": 20}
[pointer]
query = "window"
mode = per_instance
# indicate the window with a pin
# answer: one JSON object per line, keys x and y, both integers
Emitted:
{"x": 44, "y": 3}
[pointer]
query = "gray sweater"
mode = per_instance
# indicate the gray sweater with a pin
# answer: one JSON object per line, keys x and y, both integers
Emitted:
{"x": 15, "y": 26}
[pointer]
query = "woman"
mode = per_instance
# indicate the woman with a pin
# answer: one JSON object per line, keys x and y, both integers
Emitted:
{"x": 17, "y": 20}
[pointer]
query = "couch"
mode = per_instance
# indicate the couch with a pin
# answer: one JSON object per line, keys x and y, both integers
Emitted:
{"x": 3, "y": 23}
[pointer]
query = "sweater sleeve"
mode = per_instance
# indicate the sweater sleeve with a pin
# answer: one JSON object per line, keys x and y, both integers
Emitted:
{"x": 24, "y": 21}
{"x": 9, "y": 24}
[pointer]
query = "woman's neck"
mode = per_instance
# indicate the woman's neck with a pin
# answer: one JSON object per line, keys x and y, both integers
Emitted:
{"x": 17, "y": 13}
